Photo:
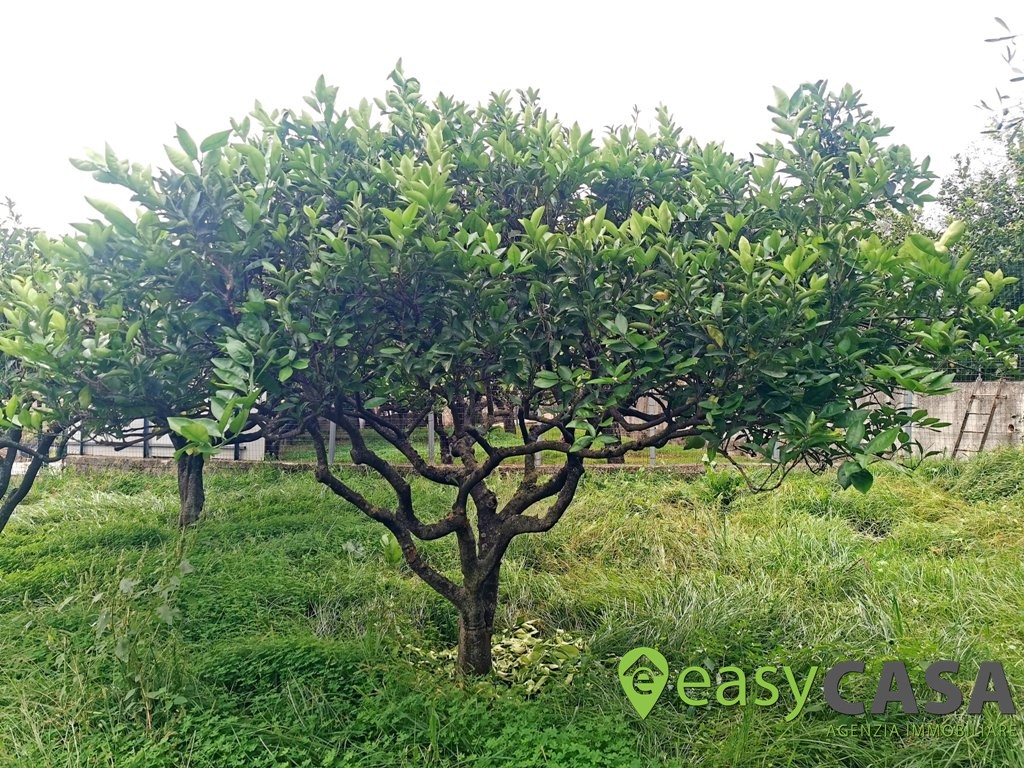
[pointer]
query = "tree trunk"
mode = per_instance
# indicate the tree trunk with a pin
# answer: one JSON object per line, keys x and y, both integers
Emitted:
{"x": 9, "y": 501}
{"x": 444, "y": 442}
{"x": 190, "y": 489}
{"x": 476, "y": 628}
{"x": 509, "y": 420}
{"x": 614, "y": 431}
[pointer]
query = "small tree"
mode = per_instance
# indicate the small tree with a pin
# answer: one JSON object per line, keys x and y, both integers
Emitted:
{"x": 989, "y": 199}
{"x": 986, "y": 193}
{"x": 37, "y": 416}
{"x": 151, "y": 297}
{"x": 740, "y": 297}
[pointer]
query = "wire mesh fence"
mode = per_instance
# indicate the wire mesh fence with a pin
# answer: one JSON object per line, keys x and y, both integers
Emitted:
{"x": 430, "y": 448}
{"x": 145, "y": 442}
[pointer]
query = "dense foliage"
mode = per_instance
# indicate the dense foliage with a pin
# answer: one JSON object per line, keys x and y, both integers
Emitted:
{"x": 988, "y": 196}
{"x": 127, "y": 315}
{"x": 449, "y": 257}
{"x": 31, "y": 437}
{"x": 427, "y": 257}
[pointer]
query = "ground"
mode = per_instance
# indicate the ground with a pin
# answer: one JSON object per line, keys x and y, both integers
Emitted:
{"x": 285, "y": 631}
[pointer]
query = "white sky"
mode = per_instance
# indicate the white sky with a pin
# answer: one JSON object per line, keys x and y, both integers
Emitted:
{"x": 74, "y": 75}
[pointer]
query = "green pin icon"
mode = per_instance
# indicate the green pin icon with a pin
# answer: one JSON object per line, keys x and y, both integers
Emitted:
{"x": 643, "y": 673}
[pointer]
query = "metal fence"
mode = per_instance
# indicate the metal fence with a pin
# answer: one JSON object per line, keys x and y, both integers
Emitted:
{"x": 146, "y": 443}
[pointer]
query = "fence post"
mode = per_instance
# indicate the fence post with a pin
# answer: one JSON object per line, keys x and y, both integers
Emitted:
{"x": 908, "y": 407}
{"x": 430, "y": 437}
{"x": 145, "y": 438}
{"x": 653, "y": 452}
{"x": 332, "y": 439}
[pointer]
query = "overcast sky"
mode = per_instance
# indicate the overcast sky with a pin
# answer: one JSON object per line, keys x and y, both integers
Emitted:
{"x": 77, "y": 74}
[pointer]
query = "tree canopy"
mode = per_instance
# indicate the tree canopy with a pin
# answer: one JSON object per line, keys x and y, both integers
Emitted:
{"x": 441, "y": 256}
{"x": 38, "y": 417}
{"x": 989, "y": 199}
{"x": 380, "y": 263}
{"x": 145, "y": 301}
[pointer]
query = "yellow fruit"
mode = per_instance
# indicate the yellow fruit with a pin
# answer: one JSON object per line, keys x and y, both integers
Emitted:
{"x": 661, "y": 295}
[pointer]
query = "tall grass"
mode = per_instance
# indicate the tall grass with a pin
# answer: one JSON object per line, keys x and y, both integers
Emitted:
{"x": 281, "y": 631}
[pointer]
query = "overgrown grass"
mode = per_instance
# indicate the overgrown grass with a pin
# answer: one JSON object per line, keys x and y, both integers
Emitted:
{"x": 282, "y": 631}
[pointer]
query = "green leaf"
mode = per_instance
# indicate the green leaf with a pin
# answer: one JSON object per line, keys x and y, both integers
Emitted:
{"x": 744, "y": 257}
{"x": 215, "y": 141}
{"x": 179, "y": 160}
{"x": 852, "y": 473}
{"x": 545, "y": 379}
{"x": 114, "y": 215}
{"x": 238, "y": 421}
{"x": 191, "y": 429}
{"x": 187, "y": 143}
{"x": 132, "y": 332}
{"x": 855, "y": 432}
{"x": 923, "y": 243}
{"x": 255, "y": 161}
{"x": 883, "y": 442}
{"x": 238, "y": 351}
{"x": 953, "y": 233}
{"x": 581, "y": 443}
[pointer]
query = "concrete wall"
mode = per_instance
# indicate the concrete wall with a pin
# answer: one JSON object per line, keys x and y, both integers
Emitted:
{"x": 159, "y": 448}
{"x": 1007, "y": 419}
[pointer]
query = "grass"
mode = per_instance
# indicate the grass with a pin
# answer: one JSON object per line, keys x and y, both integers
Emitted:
{"x": 282, "y": 631}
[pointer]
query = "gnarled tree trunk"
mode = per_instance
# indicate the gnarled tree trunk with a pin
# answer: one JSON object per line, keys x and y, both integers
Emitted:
{"x": 481, "y": 546}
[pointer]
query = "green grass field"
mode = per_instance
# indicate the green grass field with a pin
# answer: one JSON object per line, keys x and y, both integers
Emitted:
{"x": 283, "y": 632}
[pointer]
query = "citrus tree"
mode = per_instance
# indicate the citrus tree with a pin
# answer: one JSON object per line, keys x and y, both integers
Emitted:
{"x": 443, "y": 254}
{"x": 989, "y": 199}
{"x": 144, "y": 301}
{"x": 37, "y": 414}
